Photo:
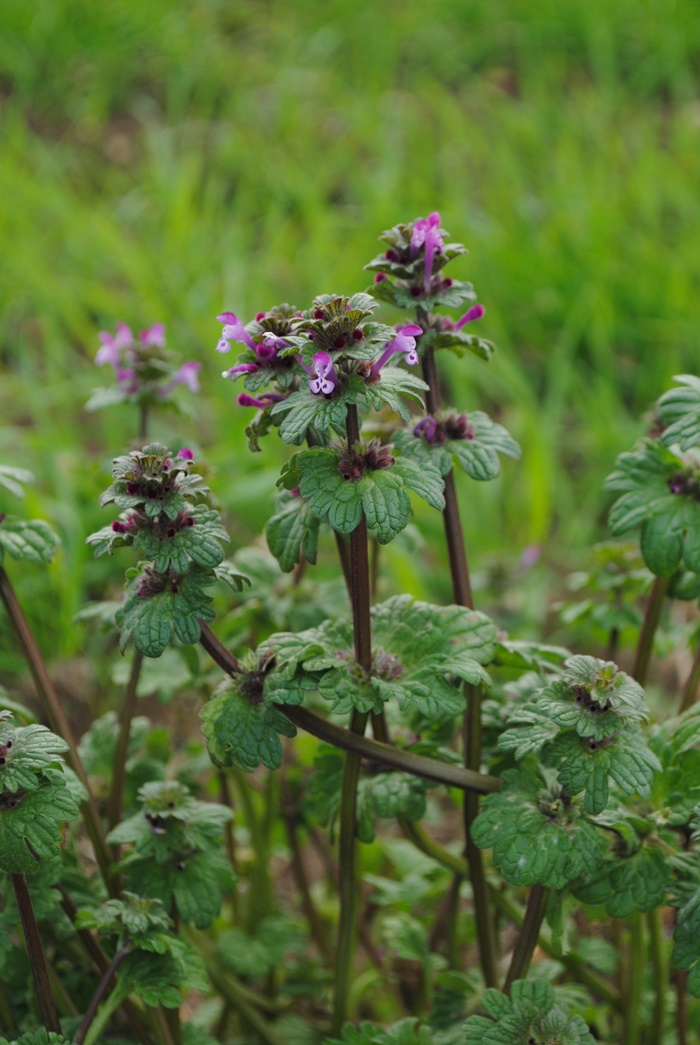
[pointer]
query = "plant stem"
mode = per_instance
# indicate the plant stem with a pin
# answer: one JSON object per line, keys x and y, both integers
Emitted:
{"x": 102, "y": 1018}
{"x": 57, "y": 720}
{"x": 316, "y": 925}
{"x": 635, "y": 983}
{"x": 101, "y": 962}
{"x": 116, "y": 802}
{"x": 659, "y": 964}
{"x": 527, "y": 941}
{"x": 690, "y": 693}
{"x": 681, "y": 978}
{"x": 652, "y": 614}
{"x": 347, "y": 845}
{"x": 471, "y": 723}
{"x": 417, "y": 834}
{"x": 35, "y": 951}
{"x": 229, "y": 988}
{"x": 101, "y": 990}
{"x": 372, "y": 750}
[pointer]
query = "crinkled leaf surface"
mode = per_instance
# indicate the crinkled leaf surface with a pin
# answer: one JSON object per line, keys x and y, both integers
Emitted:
{"x": 170, "y": 548}
{"x": 293, "y": 532}
{"x": 679, "y": 409}
{"x": 670, "y": 522}
{"x": 405, "y": 1032}
{"x": 244, "y": 733}
{"x": 381, "y": 493}
{"x": 29, "y": 540}
{"x": 478, "y": 456}
{"x": 31, "y": 822}
{"x": 13, "y": 479}
{"x": 530, "y": 1014}
{"x": 638, "y": 882}
{"x": 27, "y": 752}
{"x": 534, "y": 835}
{"x": 177, "y": 609}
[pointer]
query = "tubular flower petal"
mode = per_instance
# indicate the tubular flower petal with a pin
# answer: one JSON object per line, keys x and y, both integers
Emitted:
{"x": 269, "y": 347}
{"x": 426, "y": 234}
{"x": 153, "y": 335}
{"x": 475, "y": 312}
{"x": 262, "y": 402}
{"x": 405, "y": 341}
{"x": 326, "y": 378}
{"x": 112, "y": 345}
{"x": 241, "y": 368}
{"x": 233, "y": 331}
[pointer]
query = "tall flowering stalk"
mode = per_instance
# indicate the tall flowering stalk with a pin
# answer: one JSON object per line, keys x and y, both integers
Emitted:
{"x": 409, "y": 274}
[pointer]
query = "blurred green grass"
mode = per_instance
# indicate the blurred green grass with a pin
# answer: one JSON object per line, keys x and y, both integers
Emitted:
{"x": 163, "y": 161}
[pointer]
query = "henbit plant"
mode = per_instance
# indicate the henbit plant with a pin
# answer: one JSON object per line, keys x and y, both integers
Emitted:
{"x": 549, "y": 754}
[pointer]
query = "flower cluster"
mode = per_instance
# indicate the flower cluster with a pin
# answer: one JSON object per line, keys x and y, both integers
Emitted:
{"x": 145, "y": 371}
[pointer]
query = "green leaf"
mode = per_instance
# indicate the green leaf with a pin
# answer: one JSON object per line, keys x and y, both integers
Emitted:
{"x": 30, "y": 823}
{"x": 33, "y": 540}
{"x": 639, "y": 882}
{"x": 12, "y": 479}
{"x": 659, "y": 493}
{"x": 405, "y": 1032}
{"x": 534, "y": 835}
{"x": 303, "y": 410}
{"x": 680, "y": 411}
{"x": 259, "y": 953}
{"x": 292, "y": 533}
{"x": 530, "y": 1014}
{"x": 477, "y": 453}
{"x": 242, "y": 733}
{"x": 26, "y": 752}
{"x": 169, "y": 546}
{"x": 177, "y": 605}
{"x": 162, "y": 980}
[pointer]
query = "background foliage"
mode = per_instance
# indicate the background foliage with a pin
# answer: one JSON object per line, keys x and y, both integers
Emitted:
{"x": 163, "y": 161}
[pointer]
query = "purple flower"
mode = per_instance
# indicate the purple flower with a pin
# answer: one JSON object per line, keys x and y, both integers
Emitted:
{"x": 265, "y": 400}
{"x": 270, "y": 346}
{"x": 128, "y": 381}
{"x": 475, "y": 312}
{"x": 426, "y": 234}
{"x": 112, "y": 345}
{"x": 426, "y": 428}
{"x": 233, "y": 331}
{"x": 405, "y": 341}
{"x": 186, "y": 453}
{"x": 326, "y": 378}
{"x": 186, "y": 375}
{"x": 153, "y": 335}
{"x": 241, "y": 368}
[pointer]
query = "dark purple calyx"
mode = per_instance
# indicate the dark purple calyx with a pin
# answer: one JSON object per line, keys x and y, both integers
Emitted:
{"x": 444, "y": 426}
{"x": 11, "y": 799}
{"x": 386, "y": 665}
{"x": 158, "y": 823}
{"x": 252, "y": 686}
{"x": 4, "y": 748}
{"x": 585, "y": 700}
{"x": 152, "y": 583}
{"x": 687, "y": 483}
{"x": 370, "y": 457}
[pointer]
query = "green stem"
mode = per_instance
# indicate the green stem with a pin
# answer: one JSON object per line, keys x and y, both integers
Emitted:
{"x": 360, "y": 598}
{"x": 290, "y": 814}
{"x": 232, "y": 991}
{"x": 57, "y": 721}
{"x": 101, "y": 962}
{"x": 659, "y": 963}
{"x": 690, "y": 692}
{"x": 35, "y": 951}
{"x": 645, "y": 645}
{"x": 681, "y": 980}
{"x": 527, "y": 941}
{"x": 101, "y": 990}
{"x": 121, "y": 753}
{"x": 7, "y": 1022}
{"x": 260, "y": 901}
{"x": 417, "y": 834}
{"x": 102, "y": 1018}
{"x": 635, "y": 983}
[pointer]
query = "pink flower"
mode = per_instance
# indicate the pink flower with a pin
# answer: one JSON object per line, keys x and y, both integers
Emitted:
{"x": 153, "y": 335}
{"x": 233, "y": 331}
{"x": 426, "y": 234}
{"x": 265, "y": 400}
{"x": 113, "y": 344}
{"x": 405, "y": 341}
{"x": 326, "y": 378}
{"x": 186, "y": 453}
{"x": 240, "y": 368}
{"x": 475, "y": 312}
